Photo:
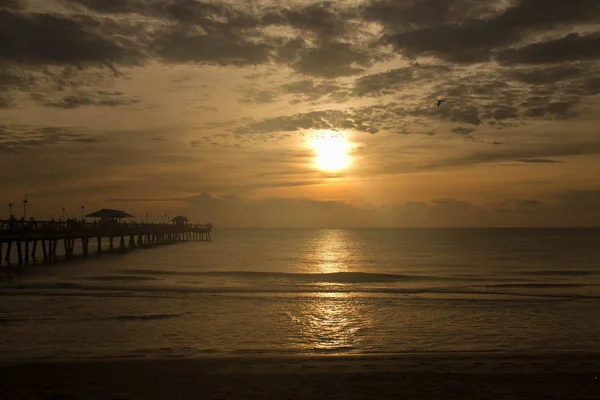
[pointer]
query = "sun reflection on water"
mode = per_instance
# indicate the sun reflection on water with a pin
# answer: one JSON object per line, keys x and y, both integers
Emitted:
{"x": 331, "y": 319}
{"x": 330, "y": 322}
{"x": 331, "y": 252}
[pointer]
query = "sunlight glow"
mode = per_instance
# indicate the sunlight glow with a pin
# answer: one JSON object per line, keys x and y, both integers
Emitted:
{"x": 331, "y": 150}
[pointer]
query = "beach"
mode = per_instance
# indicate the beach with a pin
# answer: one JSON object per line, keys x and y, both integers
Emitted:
{"x": 407, "y": 376}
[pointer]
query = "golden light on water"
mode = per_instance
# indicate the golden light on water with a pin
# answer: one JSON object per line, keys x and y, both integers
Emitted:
{"x": 331, "y": 151}
{"x": 332, "y": 322}
{"x": 332, "y": 319}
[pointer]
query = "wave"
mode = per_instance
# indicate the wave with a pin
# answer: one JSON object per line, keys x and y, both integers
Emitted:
{"x": 542, "y": 285}
{"x": 120, "y": 278}
{"x": 148, "y": 317}
{"x": 560, "y": 273}
{"x": 60, "y": 289}
{"x": 333, "y": 277}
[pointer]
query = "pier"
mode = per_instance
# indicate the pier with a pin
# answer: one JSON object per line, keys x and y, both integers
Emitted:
{"x": 39, "y": 240}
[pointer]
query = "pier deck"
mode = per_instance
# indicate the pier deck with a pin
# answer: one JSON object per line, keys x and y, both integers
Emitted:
{"x": 29, "y": 237}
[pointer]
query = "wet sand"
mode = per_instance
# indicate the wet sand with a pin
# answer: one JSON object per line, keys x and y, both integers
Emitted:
{"x": 411, "y": 376}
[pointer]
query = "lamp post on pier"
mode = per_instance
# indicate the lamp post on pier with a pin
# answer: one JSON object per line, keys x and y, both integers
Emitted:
{"x": 25, "y": 207}
{"x": 63, "y": 214}
{"x": 147, "y": 215}
{"x": 9, "y": 210}
{"x": 82, "y": 213}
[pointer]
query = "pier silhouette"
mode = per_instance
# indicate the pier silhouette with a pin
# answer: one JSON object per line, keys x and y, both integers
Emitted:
{"x": 27, "y": 238}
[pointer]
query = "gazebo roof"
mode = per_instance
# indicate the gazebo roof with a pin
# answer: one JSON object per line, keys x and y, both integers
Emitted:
{"x": 180, "y": 218}
{"x": 109, "y": 213}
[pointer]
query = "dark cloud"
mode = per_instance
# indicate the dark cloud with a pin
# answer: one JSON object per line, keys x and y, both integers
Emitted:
{"x": 333, "y": 60}
{"x": 554, "y": 110}
{"x": 467, "y": 31}
{"x": 514, "y": 206}
{"x": 538, "y": 161}
{"x": 393, "y": 81}
{"x": 403, "y": 15}
{"x": 549, "y": 75}
{"x": 38, "y": 38}
{"x": 469, "y": 43}
{"x": 12, "y": 4}
{"x": 251, "y": 96}
{"x": 501, "y": 113}
{"x": 14, "y": 139}
{"x": 529, "y": 154}
{"x": 384, "y": 83}
{"x": 591, "y": 86}
{"x": 101, "y": 99}
{"x": 576, "y": 201}
{"x": 210, "y": 16}
{"x": 308, "y": 90}
{"x": 323, "y": 19}
{"x": 180, "y": 45}
{"x": 13, "y": 80}
{"x": 572, "y": 47}
{"x": 463, "y": 131}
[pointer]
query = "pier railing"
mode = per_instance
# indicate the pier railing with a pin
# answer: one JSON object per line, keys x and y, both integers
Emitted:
{"x": 48, "y": 234}
{"x": 8, "y": 228}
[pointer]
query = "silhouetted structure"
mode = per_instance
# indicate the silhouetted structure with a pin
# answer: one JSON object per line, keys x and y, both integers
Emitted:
{"x": 180, "y": 220}
{"x": 108, "y": 215}
{"x": 49, "y": 233}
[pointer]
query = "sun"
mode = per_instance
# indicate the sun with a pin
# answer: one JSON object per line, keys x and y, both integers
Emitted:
{"x": 331, "y": 151}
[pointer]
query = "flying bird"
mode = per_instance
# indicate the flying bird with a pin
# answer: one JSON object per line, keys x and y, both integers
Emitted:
{"x": 439, "y": 102}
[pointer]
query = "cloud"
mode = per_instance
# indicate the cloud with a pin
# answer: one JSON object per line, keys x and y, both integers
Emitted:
{"x": 100, "y": 99}
{"x": 526, "y": 154}
{"x": 332, "y": 60}
{"x": 323, "y": 19}
{"x": 554, "y": 109}
{"x": 547, "y": 75}
{"x": 14, "y": 139}
{"x": 513, "y": 206}
{"x": 308, "y": 90}
{"x": 180, "y": 44}
{"x": 578, "y": 201}
{"x": 12, "y": 81}
{"x": 12, "y": 4}
{"x": 383, "y": 83}
{"x": 417, "y": 14}
{"x": 327, "y": 119}
{"x": 463, "y": 131}
{"x": 236, "y": 211}
{"x": 252, "y": 96}
{"x": 538, "y": 160}
{"x": 468, "y": 31}
{"x": 572, "y": 47}
{"x": 38, "y": 38}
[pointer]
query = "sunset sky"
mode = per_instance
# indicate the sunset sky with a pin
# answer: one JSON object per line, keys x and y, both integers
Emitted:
{"x": 303, "y": 114}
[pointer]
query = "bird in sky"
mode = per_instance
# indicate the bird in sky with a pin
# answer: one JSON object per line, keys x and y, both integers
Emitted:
{"x": 440, "y": 101}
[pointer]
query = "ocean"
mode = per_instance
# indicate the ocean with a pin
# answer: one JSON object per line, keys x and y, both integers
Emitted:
{"x": 312, "y": 291}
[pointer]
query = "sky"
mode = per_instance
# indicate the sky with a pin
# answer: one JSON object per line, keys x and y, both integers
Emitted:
{"x": 301, "y": 113}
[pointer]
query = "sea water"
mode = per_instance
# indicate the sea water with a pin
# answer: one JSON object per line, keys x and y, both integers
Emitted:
{"x": 295, "y": 291}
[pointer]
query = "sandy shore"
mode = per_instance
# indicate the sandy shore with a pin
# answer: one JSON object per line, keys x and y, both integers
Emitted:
{"x": 423, "y": 376}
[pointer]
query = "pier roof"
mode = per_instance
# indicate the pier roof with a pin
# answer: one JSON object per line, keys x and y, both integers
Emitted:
{"x": 109, "y": 213}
